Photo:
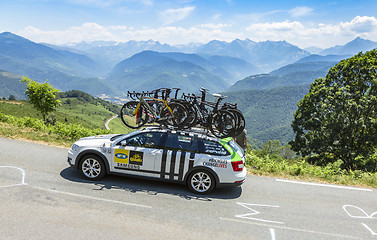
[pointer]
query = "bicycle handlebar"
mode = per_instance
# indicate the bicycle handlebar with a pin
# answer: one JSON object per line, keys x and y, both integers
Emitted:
{"x": 164, "y": 93}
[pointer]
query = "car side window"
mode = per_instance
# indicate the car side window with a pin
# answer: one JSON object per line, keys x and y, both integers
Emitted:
{"x": 148, "y": 140}
{"x": 181, "y": 143}
{"x": 214, "y": 148}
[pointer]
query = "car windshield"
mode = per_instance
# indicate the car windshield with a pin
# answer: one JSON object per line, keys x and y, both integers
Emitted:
{"x": 236, "y": 148}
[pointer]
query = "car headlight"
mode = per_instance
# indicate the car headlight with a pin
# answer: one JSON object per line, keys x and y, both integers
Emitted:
{"x": 74, "y": 147}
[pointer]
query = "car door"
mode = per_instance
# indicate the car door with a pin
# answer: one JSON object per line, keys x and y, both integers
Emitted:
{"x": 137, "y": 154}
{"x": 178, "y": 156}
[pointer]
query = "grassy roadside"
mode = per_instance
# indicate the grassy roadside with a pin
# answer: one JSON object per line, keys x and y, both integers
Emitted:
{"x": 11, "y": 131}
{"x": 299, "y": 169}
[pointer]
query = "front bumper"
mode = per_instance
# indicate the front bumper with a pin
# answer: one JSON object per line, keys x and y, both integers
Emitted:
{"x": 70, "y": 162}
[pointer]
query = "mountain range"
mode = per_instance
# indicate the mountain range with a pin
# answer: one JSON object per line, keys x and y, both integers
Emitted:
{"x": 264, "y": 56}
{"x": 266, "y": 79}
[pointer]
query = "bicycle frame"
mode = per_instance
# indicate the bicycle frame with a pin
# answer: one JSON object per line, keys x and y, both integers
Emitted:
{"x": 145, "y": 103}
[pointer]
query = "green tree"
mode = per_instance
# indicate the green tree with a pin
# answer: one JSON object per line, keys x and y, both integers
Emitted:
{"x": 271, "y": 147}
{"x": 42, "y": 96}
{"x": 337, "y": 118}
{"x": 12, "y": 97}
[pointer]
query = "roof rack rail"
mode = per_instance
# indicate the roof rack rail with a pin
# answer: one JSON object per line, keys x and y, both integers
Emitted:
{"x": 194, "y": 130}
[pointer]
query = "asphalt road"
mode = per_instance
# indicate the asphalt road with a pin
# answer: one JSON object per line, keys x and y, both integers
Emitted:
{"x": 42, "y": 198}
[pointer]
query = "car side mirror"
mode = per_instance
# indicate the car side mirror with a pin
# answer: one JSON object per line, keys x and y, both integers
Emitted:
{"x": 123, "y": 143}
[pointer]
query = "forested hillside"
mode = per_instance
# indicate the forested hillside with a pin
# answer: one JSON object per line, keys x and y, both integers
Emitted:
{"x": 268, "y": 113}
{"x": 300, "y": 73}
{"x": 10, "y": 85}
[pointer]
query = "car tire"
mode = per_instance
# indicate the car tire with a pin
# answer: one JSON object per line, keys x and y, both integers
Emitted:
{"x": 201, "y": 182}
{"x": 92, "y": 167}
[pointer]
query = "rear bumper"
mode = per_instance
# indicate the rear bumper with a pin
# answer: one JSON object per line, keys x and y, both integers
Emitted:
{"x": 230, "y": 185}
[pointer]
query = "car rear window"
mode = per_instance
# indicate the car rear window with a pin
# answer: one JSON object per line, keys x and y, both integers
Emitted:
{"x": 214, "y": 148}
{"x": 236, "y": 148}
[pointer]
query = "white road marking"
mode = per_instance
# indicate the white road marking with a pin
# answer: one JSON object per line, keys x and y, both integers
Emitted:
{"x": 370, "y": 230}
{"x": 288, "y": 228}
{"x": 255, "y": 212}
{"x": 22, "y": 179}
{"x": 364, "y": 214}
{"x": 272, "y": 231}
{"x": 325, "y": 185}
{"x": 93, "y": 198}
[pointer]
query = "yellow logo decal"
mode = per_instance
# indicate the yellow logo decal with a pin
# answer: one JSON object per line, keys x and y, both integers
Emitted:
{"x": 136, "y": 158}
{"x": 121, "y": 156}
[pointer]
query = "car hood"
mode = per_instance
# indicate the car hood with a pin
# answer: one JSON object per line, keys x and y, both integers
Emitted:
{"x": 98, "y": 140}
{"x": 99, "y": 137}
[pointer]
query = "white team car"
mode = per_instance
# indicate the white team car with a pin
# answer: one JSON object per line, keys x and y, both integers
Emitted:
{"x": 200, "y": 161}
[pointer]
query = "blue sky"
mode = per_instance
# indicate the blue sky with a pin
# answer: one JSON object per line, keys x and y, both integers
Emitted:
{"x": 303, "y": 23}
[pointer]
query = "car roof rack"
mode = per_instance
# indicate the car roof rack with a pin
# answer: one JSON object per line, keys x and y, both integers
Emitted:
{"x": 192, "y": 132}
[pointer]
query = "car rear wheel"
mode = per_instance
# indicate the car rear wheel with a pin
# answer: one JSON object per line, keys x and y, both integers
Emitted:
{"x": 201, "y": 182}
{"x": 92, "y": 167}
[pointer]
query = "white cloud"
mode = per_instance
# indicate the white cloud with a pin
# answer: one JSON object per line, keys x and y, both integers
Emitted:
{"x": 275, "y": 27}
{"x": 295, "y": 32}
{"x": 173, "y": 15}
{"x": 180, "y": 35}
{"x": 167, "y": 34}
{"x": 300, "y": 11}
{"x": 321, "y": 35}
{"x": 85, "y": 32}
{"x": 361, "y": 24}
{"x": 214, "y": 26}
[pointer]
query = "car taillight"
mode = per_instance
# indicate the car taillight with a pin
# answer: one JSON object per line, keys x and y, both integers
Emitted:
{"x": 237, "y": 166}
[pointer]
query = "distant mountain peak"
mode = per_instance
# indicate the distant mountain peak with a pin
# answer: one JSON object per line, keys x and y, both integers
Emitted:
{"x": 151, "y": 41}
{"x": 359, "y": 40}
{"x": 353, "y": 47}
{"x": 248, "y": 40}
{"x": 9, "y": 35}
{"x": 216, "y": 41}
{"x": 5, "y": 34}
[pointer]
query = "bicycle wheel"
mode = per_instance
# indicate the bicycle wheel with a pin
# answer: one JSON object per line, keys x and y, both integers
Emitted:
{"x": 193, "y": 116}
{"x": 222, "y": 123}
{"x": 177, "y": 118}
{"x": 131, "y": 118}
{"x": 240, "y": 121}
{"x": 192, "y": 113}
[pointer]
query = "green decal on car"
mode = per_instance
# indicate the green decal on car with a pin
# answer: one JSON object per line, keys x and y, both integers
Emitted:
{"x": 234, "y": 156}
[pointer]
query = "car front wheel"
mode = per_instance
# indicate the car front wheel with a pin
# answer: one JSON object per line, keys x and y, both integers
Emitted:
{"x": 92, "y": 167}
{"x": 201, "y": 182}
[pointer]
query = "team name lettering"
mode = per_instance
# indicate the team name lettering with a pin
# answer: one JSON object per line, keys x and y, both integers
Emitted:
{"x": 216, "y": 163}
{"x": 130, "y": 166}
